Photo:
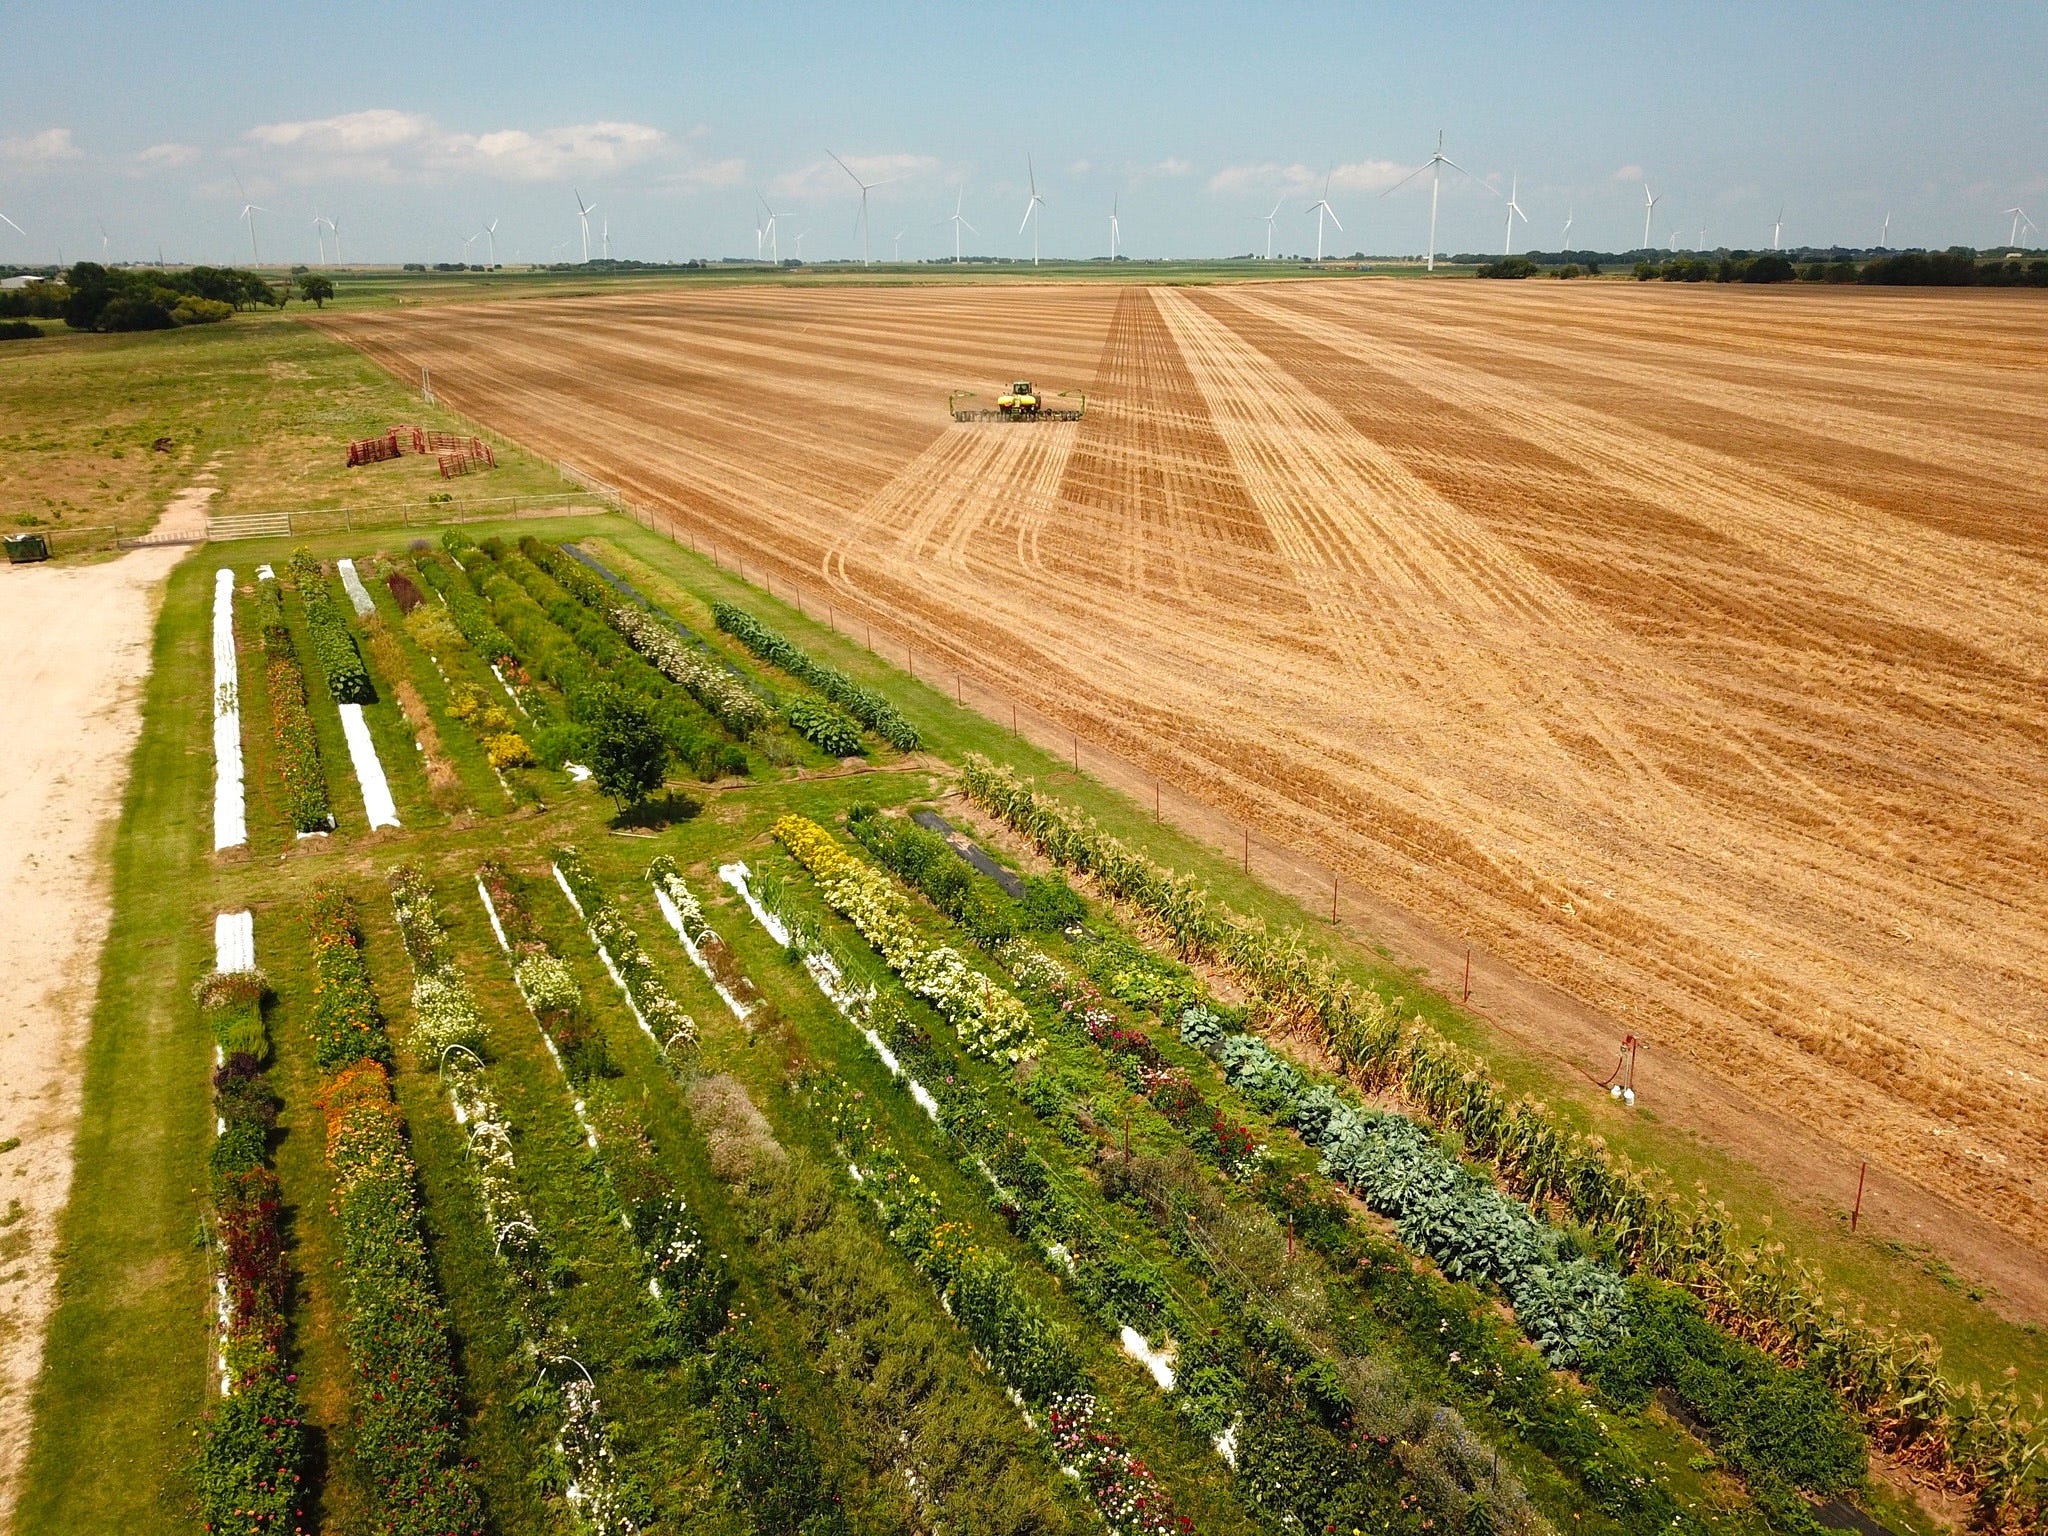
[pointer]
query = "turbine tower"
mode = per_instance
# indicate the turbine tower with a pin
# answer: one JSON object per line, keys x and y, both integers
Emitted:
{"x": 1778, "y": 229}
{"x": 865, "y": 188}
{"x": 583, "y": 213}
{"x": 1514, "y": 212}
{"x": 1568, "y": 216}
{"x": 1649, "y": 203}
{"x": 1114, "y": 232}
{"x": 1884, "y": 241}
{"x": 899, "y": 243}
{"x": 1435, "y": 166}
{"x": 607, "y": 237}
{"x": 769, "y": 231}
{"x": 1269, "y": 223}
{"x": 491, "y": 233}
{"x": 321, "y": 240}
{"x": 1322, "y": 206}
{"x": 957, "y": 219}
{"x": 2019, "y": 216}
{"x": 1031, "y": 209}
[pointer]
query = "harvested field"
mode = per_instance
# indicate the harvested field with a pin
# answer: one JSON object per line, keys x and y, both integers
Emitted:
{"x": 1683, "y": 647}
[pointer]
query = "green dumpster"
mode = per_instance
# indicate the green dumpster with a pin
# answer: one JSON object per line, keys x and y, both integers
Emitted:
{"x": 24, "y": 547}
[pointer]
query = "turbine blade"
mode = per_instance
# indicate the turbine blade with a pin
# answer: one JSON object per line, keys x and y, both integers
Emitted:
{"x": 1335, "y": 220}
{"x": 12, "y": 225}
{"x": 1409, "y": 177}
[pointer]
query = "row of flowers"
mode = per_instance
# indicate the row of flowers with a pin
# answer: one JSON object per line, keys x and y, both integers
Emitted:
{"x": 983, "y": 1292}
{"x": 990, "y": 1022}
{"x": 250, "y": 1474}
{"x": 688, "y": 1285}
{"x": 405, "y": 1402}
{"x": 865, "y": 704}
{"x": 544, "y": 978}
{"x": 445, "y": 1016}
{"x": 291, "y": 720}
{"x": 731, "y": 702}
{"x": 1082, "y": 1013}
{"x": 707, "y": 951}
{"x": 1976, "y": 1438}
{"x": 603, "y": 1496}
{"x": 334, "y": 647}
{"x": 654, "y": 1007}
{"x": 830, "y": 730}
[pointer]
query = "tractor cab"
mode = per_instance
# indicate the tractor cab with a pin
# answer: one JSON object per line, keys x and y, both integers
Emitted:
{"x": 1022, "y": 400}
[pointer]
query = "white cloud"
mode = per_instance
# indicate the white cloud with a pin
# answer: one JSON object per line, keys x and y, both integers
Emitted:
{"x": 382, "y": 144}
{"x": 822, "y": 179}
{"x": 1168, "y": 167}
{"x": 167, "y": 157}
{"x": 1354, "y": 176}
{"x": 48, "y": 147}
{"x": 1629, "y": 173}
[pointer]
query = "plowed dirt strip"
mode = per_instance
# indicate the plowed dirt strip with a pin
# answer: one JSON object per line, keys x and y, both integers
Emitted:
{"x": 1558, "y": 666}
{"x": 1923, "y": 458}
{"x": 1656, "y": 638}
{"x": 1915, "y": 574}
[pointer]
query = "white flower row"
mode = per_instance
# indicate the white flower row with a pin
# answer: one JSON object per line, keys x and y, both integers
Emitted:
{"x": 737, "y": 707}
{"x": 654, "y": 1008}
{"x": 683, "y": 914}
{"x": 230, "y": 806}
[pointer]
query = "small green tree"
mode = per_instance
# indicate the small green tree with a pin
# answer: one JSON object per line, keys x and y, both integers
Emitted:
{"x": 628, "y": 754}
{"x": 316, "y": 287}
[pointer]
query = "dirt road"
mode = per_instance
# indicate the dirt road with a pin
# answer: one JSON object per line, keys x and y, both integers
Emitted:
{"x": 76, "y": 640}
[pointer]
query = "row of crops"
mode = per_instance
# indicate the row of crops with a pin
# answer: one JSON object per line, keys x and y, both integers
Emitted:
{"x": 787, "y": 1173}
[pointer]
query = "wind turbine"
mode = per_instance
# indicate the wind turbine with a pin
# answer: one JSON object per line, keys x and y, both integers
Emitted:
{"x": 1649, "y": 203}
{"x": 1269, "y": 224}
{"x": 468, "y": 243}
{"x": 1114, "y": 232}
{"x": 1031, "y": 208}
{"x": 899, "y": 243}
{"x": 335, "y": 230}
{"x": 1568, "y": 215}
{"x": 1435, "y": 166}
{"x": 1778, "y": 228}
{"x": 249, "y": 212}
{"x": 956, "y": 219}
{"x": 865, "y": 188}
{"x": 1514, "y": 213}
{"x": 491, "y": 234}
{"x": 104, "y": 242}
{"x": 1322, "y": 206}
{"x": 607, "y": 237}
{"x": 800, "y": 246}
{"x": 1884, "y": 241}
{"x": 583, "y": 214}
{"x": 768, "y": 231}
{"x": 2018, "y": 213}
{"x": 320, "y": 240}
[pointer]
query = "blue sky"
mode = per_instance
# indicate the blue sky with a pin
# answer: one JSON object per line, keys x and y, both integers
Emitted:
{"x": 412, "y": 126}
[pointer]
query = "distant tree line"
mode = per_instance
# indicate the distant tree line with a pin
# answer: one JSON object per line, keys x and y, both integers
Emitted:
{"x": 90, "y": 297}
{"x": 1959, "y": 268}
{"x": 1735, "y": 267}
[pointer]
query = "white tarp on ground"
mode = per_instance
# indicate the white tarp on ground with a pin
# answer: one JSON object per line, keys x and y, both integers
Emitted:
{"x": 234, "y": 941}
{"x": 230, "y": 808}
{"x": 352, "y": 584}
{"x": 377, "y": 802}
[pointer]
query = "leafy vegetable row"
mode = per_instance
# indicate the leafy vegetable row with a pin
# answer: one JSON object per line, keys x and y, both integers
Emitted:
{"x": 867, "y": 706}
